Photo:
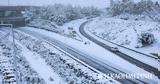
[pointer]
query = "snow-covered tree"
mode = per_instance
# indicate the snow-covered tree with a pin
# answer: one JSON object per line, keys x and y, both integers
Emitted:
{"x": 144, "y": 5}
{"x": 146, "y": 39}
{"x": 71, "y": 13}
{"x": 59, "y": 13}
{"x": 117, "y": 8}
{"x": 128, "y": 6}
{"x": 157, "y": 4}
{"x": 31, "y": 13}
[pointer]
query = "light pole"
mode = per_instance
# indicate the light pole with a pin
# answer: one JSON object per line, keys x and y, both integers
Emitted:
{"x": 14, "y": 54}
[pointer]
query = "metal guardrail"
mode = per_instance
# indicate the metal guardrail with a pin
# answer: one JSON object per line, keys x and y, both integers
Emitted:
{"x": 123, "y": 55}
{"x": 13, "y": 19}
{"x": 92, "y": 62}
{"x": 151, "y": 56}
{"x": 127, "y": 48}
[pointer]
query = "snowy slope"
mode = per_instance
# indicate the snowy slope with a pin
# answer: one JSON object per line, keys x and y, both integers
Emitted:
{"x": 123, "y": 32}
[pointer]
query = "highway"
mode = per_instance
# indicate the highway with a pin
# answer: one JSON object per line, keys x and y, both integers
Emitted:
{"x": 122, "y": 55}
{"x": 95, "y": 63}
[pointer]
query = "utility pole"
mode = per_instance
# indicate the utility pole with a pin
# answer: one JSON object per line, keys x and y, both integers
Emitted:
{"x": 14, "y": 54}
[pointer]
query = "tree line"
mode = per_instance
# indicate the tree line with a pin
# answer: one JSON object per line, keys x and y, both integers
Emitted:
{"x": 59, "y": 13}
{"x": 129, "y": 6}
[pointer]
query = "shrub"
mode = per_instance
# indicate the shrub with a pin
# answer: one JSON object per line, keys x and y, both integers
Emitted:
{"x": 146, "y": 39}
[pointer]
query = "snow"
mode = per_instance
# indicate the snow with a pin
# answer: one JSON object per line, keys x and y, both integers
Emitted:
{"x": 78, "y": 45}
{"x": 0, "y": 79}
{"x": 91, "y": 27}
{"x": 28, "y": 75}
{"x": 113, "y": 26}
{"x": 93, "y": 50}
{"x": 51, "y": 26}
{"x": 75, "y": 25}
{"x": 40, "y": 66}
{"x": 0, "y": 68}
{"x": 6, "y": 62}
{"x": 123, "y": 32}
{"x": 58, "y": 66}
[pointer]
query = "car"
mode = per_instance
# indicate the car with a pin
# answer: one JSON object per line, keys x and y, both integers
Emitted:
{"x": 114, "y": 49}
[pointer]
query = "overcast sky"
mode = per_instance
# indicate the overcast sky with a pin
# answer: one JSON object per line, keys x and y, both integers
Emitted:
{"x": 97, "y": 3}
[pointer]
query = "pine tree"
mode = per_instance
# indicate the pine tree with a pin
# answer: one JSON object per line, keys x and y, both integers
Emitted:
{"x": 157, "y": 4}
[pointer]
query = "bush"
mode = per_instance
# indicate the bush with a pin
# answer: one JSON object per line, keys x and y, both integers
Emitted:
{"x": 146, "y": 39}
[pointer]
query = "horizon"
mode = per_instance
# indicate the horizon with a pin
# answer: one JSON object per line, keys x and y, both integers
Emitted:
{"x": 82, "y": 3}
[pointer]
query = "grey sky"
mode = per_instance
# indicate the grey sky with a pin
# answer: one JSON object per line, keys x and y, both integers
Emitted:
{"x": 97, "y": 3}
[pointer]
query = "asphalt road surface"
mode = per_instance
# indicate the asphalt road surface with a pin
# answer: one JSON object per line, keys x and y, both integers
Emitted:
{"x": 122, "y": 55}
{"x": 95, "y": 63}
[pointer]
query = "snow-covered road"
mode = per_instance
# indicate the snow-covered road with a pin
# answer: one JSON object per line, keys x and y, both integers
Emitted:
{"x": 90, "y": 51}
{"x": 34, "y": 64}
{"x": 52, "y": 36}
{"x": 104, "y": 67}
{"x": 123, "y": 54}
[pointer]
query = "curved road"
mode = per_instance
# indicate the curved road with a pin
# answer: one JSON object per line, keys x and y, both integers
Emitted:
{"x": 122, "y": 55}
{"x": 95, "y": 63}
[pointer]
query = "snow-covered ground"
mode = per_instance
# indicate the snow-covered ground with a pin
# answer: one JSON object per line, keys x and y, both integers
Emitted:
{"x": 0, "y": 74}
{"x": 28, "y": 43}
{"x": 148, "y": 60}
{"x": 23, "y": 70}
{"x": 92, "y": 47}
{"x": 123, "y": 32}
{"x": 40, "y": 66}
{"x": 61, "y": 64}
{"x": 65, "y": 30}
{"x": 92, "y": 50}
{"x": 75, "y": 25}
{"x": 0, "y": 79}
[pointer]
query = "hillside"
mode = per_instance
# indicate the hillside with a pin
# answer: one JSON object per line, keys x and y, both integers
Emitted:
{"x": 126, "y": 32}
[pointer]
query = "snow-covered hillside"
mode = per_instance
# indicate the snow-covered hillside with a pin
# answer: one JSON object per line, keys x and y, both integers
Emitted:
{"x": 126, "y": 32}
